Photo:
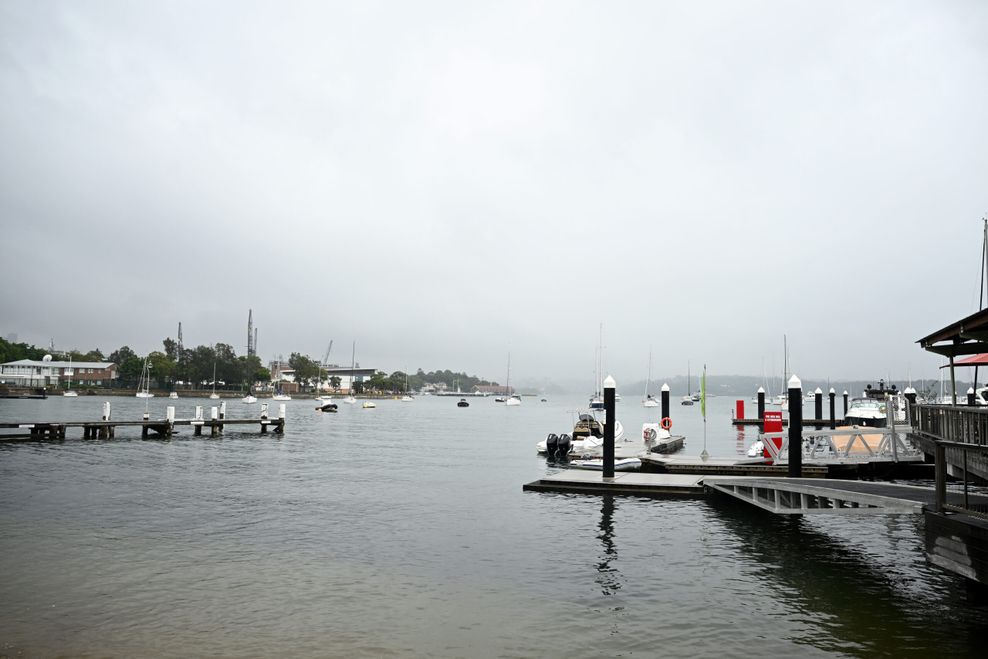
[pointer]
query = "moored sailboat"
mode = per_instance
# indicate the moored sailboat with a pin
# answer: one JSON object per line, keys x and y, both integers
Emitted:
{"x": 512, "y": 399}
{"x": 648, "y": 401}
{"x": 144, "y": 386}
{"x": 688, "y": 399}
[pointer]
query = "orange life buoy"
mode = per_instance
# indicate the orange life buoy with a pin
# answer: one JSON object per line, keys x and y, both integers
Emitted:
{"x": 666, "y": 423}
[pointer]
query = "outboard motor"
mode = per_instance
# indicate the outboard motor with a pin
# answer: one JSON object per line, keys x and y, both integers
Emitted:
{"x": 551, "y": 444}
{"x": 564, "y": 444}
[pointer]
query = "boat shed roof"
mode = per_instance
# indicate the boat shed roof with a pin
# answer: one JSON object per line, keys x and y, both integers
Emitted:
{"x": 973, "y": 360}
{"x": 967, "y": 336}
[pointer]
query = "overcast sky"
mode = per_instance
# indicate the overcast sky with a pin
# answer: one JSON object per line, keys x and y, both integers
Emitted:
{"x": 448, "y": 182}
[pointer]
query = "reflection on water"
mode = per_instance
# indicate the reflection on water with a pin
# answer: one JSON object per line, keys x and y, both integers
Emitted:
{"x": 869, "y": 593}
{"x": 403, "y": 531}
{"x": 608, "y": 576}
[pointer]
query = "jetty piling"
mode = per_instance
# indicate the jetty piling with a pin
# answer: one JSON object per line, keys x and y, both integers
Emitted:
{"x": 795, "y": 427}
{"x": 845, "y": 403}
{"x": 818, "y": 406}
{"x": 609, "y": 420}
{"x": 665, "y": 402}
{"x": 910, "y": 395}
{"x": 761, "y": 404}
{"x": 833, "y": 408}
{"x": 198, "y": 422}
{"x": 214, "y": 414}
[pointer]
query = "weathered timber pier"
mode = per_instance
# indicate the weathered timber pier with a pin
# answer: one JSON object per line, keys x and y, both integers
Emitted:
{"x": 34, "y": 431}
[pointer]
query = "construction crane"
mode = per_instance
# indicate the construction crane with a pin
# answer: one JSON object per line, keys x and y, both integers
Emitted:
{"x": 325, "y": 358}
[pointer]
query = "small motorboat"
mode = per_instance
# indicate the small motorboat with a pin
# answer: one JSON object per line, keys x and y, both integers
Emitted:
{"x": 248, "y": 399}
{"x": 70, "y": 394}
{"x": 368, "y": 405}
{"x": 173, "y": 395}
{"x": 623, "y": 464}
{"x": 587, "y": 438}
{"x": 281, "y": 397}
{"x": 327, "y": 407}
{"x": 512, "y": 400}
{"x": 463, "y": 403}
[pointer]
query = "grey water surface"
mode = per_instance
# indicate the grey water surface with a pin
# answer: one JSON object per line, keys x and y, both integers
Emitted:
{"x": 403, "y": 531}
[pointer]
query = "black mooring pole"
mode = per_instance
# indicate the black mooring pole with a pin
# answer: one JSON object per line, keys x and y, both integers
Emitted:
{"x": 833, "y": 408}
{"x": 795, "y": 427}
{"x": 609, "y": 421}
{"x": 761, "y": 404}
{"x": 665, "y": 402}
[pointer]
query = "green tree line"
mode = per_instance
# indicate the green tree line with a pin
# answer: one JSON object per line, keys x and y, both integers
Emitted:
{"x": 168, "y": 367}
{"x": 195, "y": 367}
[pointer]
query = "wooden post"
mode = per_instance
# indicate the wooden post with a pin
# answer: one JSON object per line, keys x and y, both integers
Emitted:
{"x": 953, "y": 382}
{"x": 609, "y": 421}
{"x": 106, "y": 432}
{"x": 833, "y": 408}
{"x": 264, "y": 418}
{"x": 213, "y": 416}
{"x": 169, "y": 420}
{"x": 222, "y": 413}
{"x": 941, "y": 476}
{"x": 818, "y": 406}
{"x": 795, "y": 427}
{"x": 761, "y": 404}
{"x": 280, "y": 427}
{"x": 910, "y": 395}
{"x": 665, "y": 402}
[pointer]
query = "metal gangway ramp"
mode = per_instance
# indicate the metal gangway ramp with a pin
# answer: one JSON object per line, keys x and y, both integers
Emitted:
{"x": 801, "y": 496}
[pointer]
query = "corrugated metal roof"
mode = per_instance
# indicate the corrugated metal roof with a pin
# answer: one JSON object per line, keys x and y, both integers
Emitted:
{"x": 54, "y": 364}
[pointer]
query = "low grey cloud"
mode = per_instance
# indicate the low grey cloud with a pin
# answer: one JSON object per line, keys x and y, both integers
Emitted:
{"x": 445, "y": 182}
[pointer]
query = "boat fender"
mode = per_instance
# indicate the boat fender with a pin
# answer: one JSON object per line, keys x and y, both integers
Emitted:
{"x": 649, "y": 434}
{"x": 666, "y": 423}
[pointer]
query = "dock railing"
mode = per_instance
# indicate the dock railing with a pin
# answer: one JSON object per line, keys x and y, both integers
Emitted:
{"x": 962, "y": 431}
{"x": 849, "y": 445}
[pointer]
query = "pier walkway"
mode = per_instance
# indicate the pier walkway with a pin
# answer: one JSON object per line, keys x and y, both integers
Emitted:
{"x": 770, "y": 491}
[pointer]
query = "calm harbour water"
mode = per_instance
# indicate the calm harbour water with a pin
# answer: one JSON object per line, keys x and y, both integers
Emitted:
{"x": 403, "y": 531}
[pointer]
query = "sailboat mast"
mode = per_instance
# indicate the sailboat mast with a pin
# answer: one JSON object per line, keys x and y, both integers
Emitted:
{"x": 648, "y": 380}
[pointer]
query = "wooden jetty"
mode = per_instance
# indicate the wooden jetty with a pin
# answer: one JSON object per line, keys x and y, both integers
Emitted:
{"x": 581, "y": 481}
{"x": 721, "y": 466}
{"x": 956, "y": 531}
{"x": 33, "y": 431}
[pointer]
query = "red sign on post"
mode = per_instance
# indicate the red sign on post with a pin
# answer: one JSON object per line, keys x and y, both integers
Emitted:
{"x": 773, "y": 423}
